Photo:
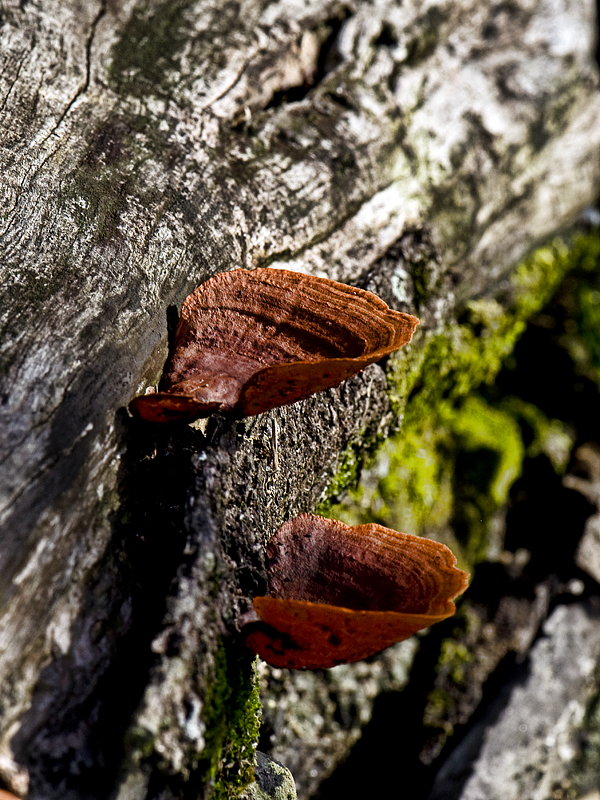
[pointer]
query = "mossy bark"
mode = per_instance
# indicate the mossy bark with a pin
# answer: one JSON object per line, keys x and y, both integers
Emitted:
{"x": 146, "y": 146}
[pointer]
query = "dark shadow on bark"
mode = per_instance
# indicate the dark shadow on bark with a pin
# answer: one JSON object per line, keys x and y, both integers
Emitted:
{"x": 71, "y": 739}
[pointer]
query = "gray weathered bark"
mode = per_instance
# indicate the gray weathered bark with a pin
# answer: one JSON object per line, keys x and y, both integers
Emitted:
{"x": 541, "y": 717}
{"x": 146, "y": 146}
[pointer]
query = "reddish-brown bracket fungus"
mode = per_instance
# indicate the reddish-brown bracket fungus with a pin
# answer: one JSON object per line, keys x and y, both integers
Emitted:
{"x": 338, "y": 594}
{"x": 251, "y": 340}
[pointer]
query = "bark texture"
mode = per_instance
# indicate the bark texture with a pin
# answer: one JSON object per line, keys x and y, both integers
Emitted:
{"x": 145, "y": 146}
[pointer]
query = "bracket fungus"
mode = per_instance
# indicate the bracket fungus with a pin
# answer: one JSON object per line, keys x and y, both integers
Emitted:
{"x": 251, "y": 340}
{"x": 338, "y": 594}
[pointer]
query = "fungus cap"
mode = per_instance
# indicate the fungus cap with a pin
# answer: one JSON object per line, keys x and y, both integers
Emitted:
{"x": 339, "y": 594}
{"x": 251, "y": 340}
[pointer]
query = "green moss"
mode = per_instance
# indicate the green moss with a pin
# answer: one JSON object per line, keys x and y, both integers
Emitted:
{"x": 412, "y": 484}
{"x": 245, "y": 717}
{"x": 439, "y": 706}
{"x": 472, "y": 351}
{"x": 348, "y": 473}
{"x": 455, "y": 656}
{"x": 453, "y": 661}
{"x": 589, "y": 304}
{"x": 454, "y": 674}
{"x": 540, "y": 434}
{"x": 450, "y": 469}
{"x": 215, "y": 714}
{"x": 582, "y": 336}
{"x": 232, "y": 715}
{"x": 481, "y": 427}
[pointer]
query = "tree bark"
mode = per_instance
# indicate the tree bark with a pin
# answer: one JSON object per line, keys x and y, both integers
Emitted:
{"x": 419, "y": 150}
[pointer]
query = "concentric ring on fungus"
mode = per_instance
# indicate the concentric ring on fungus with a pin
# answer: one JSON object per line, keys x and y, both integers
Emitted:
{"x": 339, "y": 594}
{"x": 251, "y": 340}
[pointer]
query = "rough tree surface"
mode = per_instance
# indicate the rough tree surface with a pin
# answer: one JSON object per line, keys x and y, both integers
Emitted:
{"x": 419, "y": 149}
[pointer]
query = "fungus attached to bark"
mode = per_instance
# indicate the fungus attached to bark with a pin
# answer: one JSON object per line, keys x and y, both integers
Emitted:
{"x": 338, "y": 594}
{"x": 251, "y": 340}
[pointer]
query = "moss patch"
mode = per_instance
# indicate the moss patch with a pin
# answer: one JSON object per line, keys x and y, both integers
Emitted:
{"x": 580, "y": 304}
{"x": 450, "y": 469}
{"x": 232, "y": 714}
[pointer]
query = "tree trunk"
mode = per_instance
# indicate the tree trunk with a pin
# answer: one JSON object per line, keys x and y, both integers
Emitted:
{"x": 418, "y": 150}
